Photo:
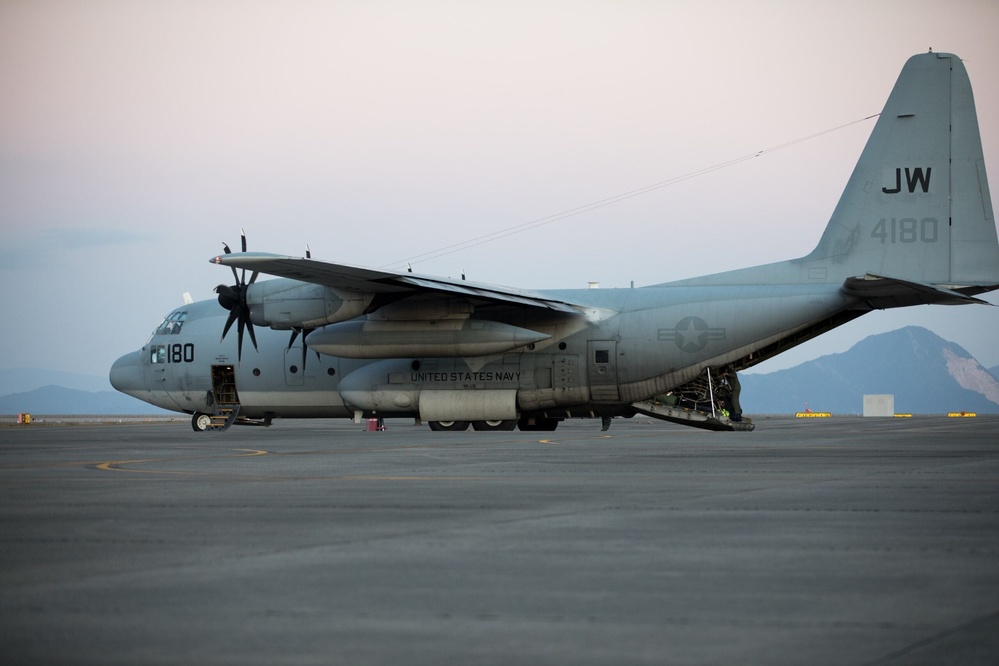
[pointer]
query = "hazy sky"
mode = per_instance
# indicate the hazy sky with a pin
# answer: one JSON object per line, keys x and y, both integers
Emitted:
{"x": 136, "y": 137}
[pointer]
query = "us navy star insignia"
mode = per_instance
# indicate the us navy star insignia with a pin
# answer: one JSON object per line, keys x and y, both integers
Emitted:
{"x": 691, "y": 334}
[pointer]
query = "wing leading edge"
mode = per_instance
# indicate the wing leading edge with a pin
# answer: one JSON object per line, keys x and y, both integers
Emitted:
{"x": 367, "y": 280}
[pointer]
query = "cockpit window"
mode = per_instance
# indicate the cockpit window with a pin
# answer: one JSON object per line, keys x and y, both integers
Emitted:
{"x": 172, "y": 324}
{"x": 157, "y": 354}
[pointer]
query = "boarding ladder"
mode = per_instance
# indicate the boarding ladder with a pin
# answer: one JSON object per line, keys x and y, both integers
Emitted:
{"x": 226, "y": 406}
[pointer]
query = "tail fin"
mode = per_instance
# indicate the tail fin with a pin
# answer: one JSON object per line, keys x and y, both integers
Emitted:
{"x": 917, "y": 208}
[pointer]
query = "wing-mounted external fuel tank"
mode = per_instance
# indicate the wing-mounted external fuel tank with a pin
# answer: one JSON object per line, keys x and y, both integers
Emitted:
{"x": 436, "y": 389}
{"x": 448, "y": 389}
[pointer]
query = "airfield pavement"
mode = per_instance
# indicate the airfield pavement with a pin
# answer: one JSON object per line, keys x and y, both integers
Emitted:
{"x": 820, "y": 541}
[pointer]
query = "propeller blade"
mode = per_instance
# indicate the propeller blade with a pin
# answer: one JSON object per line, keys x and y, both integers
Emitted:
{"x": 291, "y": 343}
{"x": 233, "y": 315}
{"x": 242, "y": 243}
{"x": 235, "y": 275}
{"x": 249, "y": 329}
{"x": 239, "y": 340}
{"x": 305, "y": 345}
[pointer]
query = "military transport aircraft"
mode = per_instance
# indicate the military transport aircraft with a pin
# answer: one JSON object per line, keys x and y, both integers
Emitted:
{"x": 914, "y": 226}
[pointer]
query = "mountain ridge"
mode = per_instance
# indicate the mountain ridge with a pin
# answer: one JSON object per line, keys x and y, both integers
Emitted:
{"x": 22, "y": 380}
{"x": 61, "y": 400}
{"x": 925, "y": 373}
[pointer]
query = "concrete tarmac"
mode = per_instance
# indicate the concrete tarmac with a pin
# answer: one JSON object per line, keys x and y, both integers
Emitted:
{"x": 832, "y": 541}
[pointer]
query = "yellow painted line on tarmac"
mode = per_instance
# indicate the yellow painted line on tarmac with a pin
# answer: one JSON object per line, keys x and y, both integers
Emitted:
{"x": 962, "y": 415}
{"x": 249, "y": 453}
{"x": 813, "y": 415}
{"x": 120, "y": 465}
{"x": 114, "y": 465}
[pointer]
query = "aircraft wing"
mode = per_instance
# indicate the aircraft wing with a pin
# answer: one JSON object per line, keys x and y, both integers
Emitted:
{"x": 367, "y": 280}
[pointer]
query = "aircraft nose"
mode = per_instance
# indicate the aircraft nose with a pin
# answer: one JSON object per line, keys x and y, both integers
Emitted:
{"x": 126, "y": 374}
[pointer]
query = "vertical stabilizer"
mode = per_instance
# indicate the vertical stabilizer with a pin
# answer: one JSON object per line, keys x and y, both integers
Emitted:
{"x": 917, "y": 206}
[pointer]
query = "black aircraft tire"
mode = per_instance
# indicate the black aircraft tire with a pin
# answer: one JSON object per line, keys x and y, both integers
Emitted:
{"x": 200, "y": 422}
{"x": 494, "y": 425}
{"x": 448, "y": 426}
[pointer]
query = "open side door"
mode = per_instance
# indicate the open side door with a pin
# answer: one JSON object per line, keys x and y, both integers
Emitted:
{"x": 226, "y": 406}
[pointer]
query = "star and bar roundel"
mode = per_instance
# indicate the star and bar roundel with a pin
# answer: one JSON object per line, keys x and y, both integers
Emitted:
{"x": 691, "y": 334}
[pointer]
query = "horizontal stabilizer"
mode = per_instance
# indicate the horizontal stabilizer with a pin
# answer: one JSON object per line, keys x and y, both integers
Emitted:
{"x": 882, "y": 292}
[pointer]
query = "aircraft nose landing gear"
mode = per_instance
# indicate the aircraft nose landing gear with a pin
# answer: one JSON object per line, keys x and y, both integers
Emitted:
{"x": 201, "y": 422}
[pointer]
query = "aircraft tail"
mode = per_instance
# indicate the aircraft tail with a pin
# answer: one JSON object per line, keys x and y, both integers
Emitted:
{"x": 917, "y": 208}
{"x": 915, "y": 222}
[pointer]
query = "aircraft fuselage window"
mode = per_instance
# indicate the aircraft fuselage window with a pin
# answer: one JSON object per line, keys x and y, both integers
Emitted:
{"x": 172, "y": 324}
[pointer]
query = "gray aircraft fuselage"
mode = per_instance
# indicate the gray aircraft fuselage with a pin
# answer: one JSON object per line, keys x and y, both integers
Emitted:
{"x": 631, "y": 344}
{"x": 914, "y": 226}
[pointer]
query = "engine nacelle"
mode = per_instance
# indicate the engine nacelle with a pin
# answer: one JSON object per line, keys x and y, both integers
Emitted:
{"x": 285, "y": 304}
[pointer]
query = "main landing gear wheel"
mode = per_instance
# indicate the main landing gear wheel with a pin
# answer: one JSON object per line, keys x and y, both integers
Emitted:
{"x": 201, "y": 422}
{"x": 494, "y": 425}
{"x": 448, "y": 426}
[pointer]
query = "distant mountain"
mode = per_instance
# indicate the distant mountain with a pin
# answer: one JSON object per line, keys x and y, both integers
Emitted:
{"x": 21, "y": 380}
{"x": 60, "y": 400}
{"x": 925, "y": 373}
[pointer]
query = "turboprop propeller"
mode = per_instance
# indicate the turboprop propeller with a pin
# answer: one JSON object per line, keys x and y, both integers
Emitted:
{"x": 233, "y": 299}
{"x": 304, "y": 331}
